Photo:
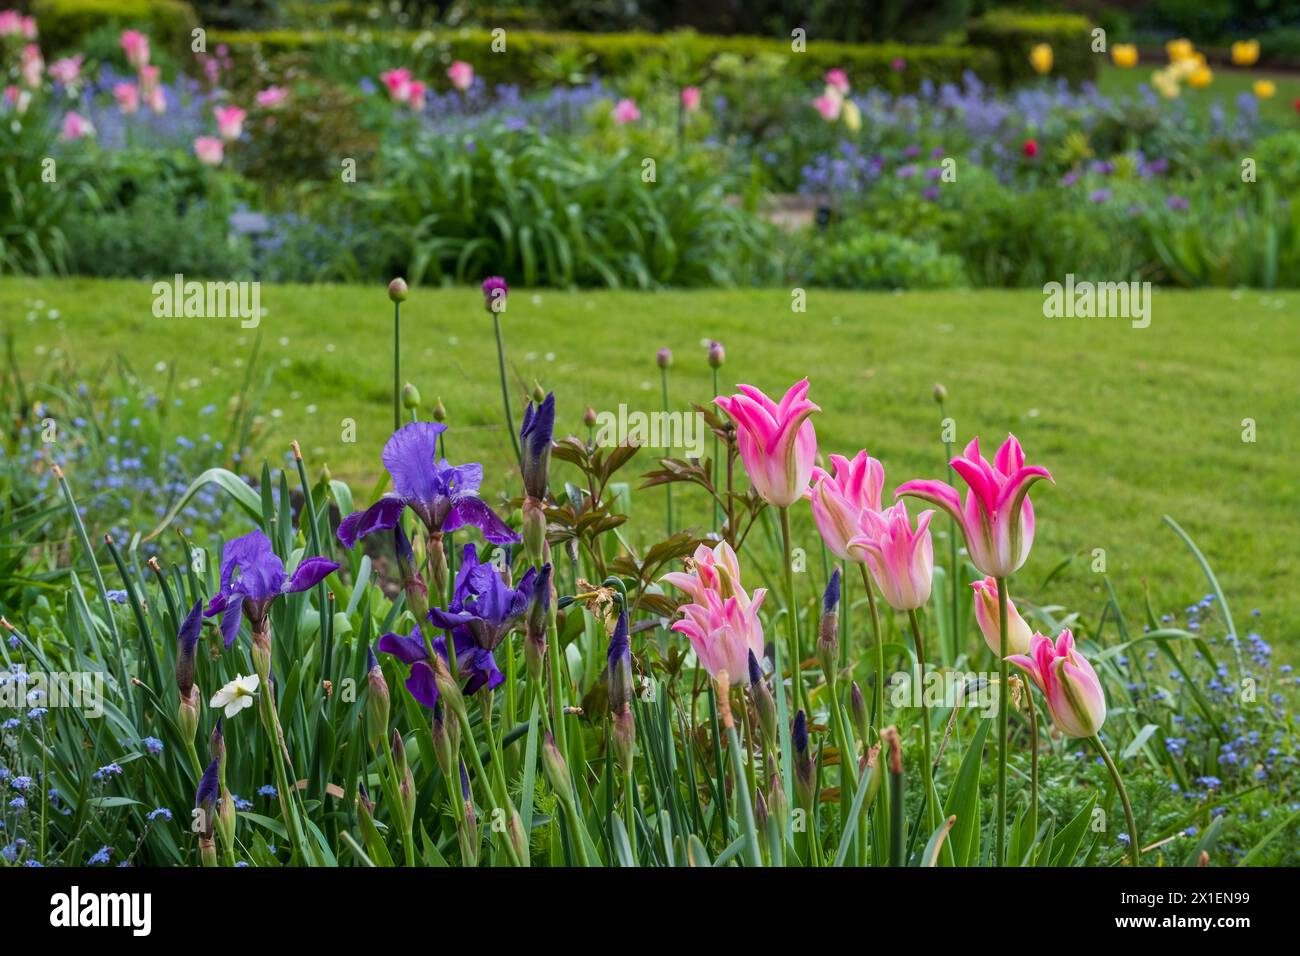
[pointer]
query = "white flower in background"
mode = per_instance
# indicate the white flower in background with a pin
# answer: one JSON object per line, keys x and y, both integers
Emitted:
{"x": 236, "y": 695}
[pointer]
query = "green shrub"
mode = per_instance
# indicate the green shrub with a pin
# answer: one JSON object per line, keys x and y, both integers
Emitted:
{"x": 33, "y": 212}
{"x": 879, "y": 260}
{"x": 64, "y": 22}
{"x": 525, "y": 58}
{"x": 1011, "y": 35}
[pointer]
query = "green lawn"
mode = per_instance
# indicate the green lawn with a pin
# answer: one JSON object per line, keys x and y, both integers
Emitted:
{"x": 1134, "y": 423}
{"x": 1227, "y": 84}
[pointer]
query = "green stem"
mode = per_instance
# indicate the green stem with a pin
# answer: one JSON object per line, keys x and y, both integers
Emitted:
{"x": 878, "y": 697}
{"x": 408, "y": 844}
{"x": 796, "y": 678}
{"x": 1033, "y": 763}
{"x": 713, "y": 478}
{"x": 397, "y": 366}
{"x": 928, "y": 770}
{"x": 505, "y": 392}
{"x": 1134, "y": 849}
{"x": 668, "y": 488}
{"x": 999, "y": 829}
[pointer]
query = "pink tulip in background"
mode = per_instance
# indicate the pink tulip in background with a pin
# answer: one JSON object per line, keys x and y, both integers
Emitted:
{"x": 128, "y": 96}
{"x": 838, "y": 502}
{"x": 75, "y": 126}
{"x": 986, "y": 615}
{"x": 148, "y": 79}
{"x": 136, "y": 47}
{"x": 839, "y": 81}
{"x": 461, "y": 75}
{"x": 11, "y": 23}
{"x": 398, "y": 82}
{"x": 901, "y": 560}
{"x": 829, "y": 106}
{"x": 998, "y": 520}
{"x": 32, "y": 65}
{"x": 777, "y": 443}
{"x": 210, "y": 150}
{"x": 273, "y": 97}
{"x": 625, "y": 111}
{"x": 1067, "y": 680}
{"x": 18, "y": 99}
{"x": 415, "y": 94}
{"x": 691, "y": 99}
{"x": 230, "y": 121}
{"x": 66, "y": 70}
{"x": 722, "y": 621}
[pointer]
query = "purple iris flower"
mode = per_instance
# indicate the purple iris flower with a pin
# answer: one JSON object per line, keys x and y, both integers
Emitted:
{"x": 209, "y": 784}
{"x": 445, "y": 497}
{"x": 536, "y": 433}
{"x": 483, "y": 607}
{"x": 471, "y": 659}
{"x": 252, "y": 576}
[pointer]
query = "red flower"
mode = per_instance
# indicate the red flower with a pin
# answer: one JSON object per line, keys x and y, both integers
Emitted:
{"x": 1030, "y": 148}
{"x": 1296, "y": 104}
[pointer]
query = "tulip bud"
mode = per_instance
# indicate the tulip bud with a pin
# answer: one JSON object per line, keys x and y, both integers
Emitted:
{"x": 557, "y": 770}
{"x": 940, "y": 394}
{"x": 397, "y": 290}
{"x": 439, "y": 411}
{"x": 535, "y": 626}
{"x": 446, "y": 739}
{"x": 828, "y": 635}
{"x": 764, "y": 706}
{"x": 717, "y": 355}
{"x": 377, "y": 702}
{"x": 987, "y": 616}
{"x": 664, "y": 358}
{"x": 858, "y": 711}
{"x": 589, "y": 417}
{"x": 805, "y": 776}
{"x": 410, "y": 397}
{"x": 1068, "y": 682}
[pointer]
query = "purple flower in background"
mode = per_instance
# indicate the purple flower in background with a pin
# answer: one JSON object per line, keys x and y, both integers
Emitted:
{"x": 445, "y": 497}
{"x": 494, "y": 294}
{"x": 483, "y": 607}
{"x": 252, "y": 576}
{"x": 931, "y": 193}
{"x": 1176, "y": 203}
{"x": 1099, "y": 195}
{"x": 471, "y": 659}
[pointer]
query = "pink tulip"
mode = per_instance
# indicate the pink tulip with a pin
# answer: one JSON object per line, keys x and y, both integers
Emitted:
{"x": 691, "y": 99}
{"x": 901, "y": 560}
{"x": 29, "y": 28}
{"x": 415, "y": 95}
{"x": 461, "y": 75}
{"x": 148, "y": 79}
{"x": 210, "y": 150}
{"x": 839, "y": 81}
{"x": 1067, "y": 680}
{"x": 838, "y": 502}
{"x": 722, "y": 622}
{"x": 157, "y": 100}
{"x": 76, "y": 126}
{"x": 11, "y": 23}
{"x": 230, "y": 121}
{"x": 829, "y": 106}
{"x": 998, "y": 520}
{"x": 398, "y": 82}
{"x": 777, "y": 442}
{"x": 66, "y": 70}
{"x": 32, "y": 65}
{"x": 273, "y": 97}
{"x": 136, "y": 47}
{"x": 128, "y": 96}
{"x": 625, "y": 111}
{"x": 18, "y": 99}
{"x": 986, "y": 615}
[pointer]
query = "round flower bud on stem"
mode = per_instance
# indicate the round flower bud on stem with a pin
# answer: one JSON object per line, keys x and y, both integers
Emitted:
{"x": 439, "y": 411}
{"x": 717, "y": 355}
{"x": 410, "y": 397}
{"x": 397, "y": 290}
{"x": 664, "y": 357}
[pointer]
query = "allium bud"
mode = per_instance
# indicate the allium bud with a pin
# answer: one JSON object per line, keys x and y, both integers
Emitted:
{"x": 397, "y": 290}
{"x": 539, "y": 393}
{"x": 664, "y": 358}
{"x": 828, "y": 635}
{"x": 410, "y": 397}
{"x": 439, "y": 411}
{"x": 494, "y": 294}
{"x": 589, "y": 417}
{"x": 940, "y": 394}
{"x": 717, "y": 355}
{"x": 377, "y": 702}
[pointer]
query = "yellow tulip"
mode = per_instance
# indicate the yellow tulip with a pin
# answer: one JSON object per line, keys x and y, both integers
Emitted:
{"x": 851, "y": 115}
{"x": 1200, "y": 78}
{"x": 1166, "y": 84}
{"x": 1179, "y": 50}
{"x": 1264, "y": 88}
{"x": 1245, "y": 52}
{"x": 1040, "y": 58}
{"x": 1124, "y": 55}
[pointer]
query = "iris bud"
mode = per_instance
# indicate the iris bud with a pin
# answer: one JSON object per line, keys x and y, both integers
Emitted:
{"x": 535, "y": 625}
{"x": 446, "y": 740}
{"x": 804, "y": 768}
{"x": 764, "y": 706}
{"x": 557, "y": 770}
{"x": 828, "y": 642}
{"x": 377, "y": 701}
{"x": 858, "y": 711}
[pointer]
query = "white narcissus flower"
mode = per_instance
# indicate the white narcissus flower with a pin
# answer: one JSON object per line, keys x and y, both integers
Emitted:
{"x": 236, "y": 695}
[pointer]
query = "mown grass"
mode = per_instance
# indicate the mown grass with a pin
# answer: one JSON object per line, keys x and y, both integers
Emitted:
{"x": 1134, "y": 423}
{"x": 1228, "y": 83}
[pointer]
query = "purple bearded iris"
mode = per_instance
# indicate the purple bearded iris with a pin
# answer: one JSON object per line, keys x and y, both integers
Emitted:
{"x": 471, "y": 660}
{"x": 445, "y": 497}
{"x": 252, "y": 576}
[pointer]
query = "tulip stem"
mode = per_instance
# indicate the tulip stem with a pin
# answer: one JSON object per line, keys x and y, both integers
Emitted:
{"x": 878, "y": 697}
{"x": 796, "y": 677}
{"x": 713, "y": 469}
{"x": 505, "y": 392}
{"x": 1133, "y": 847}
{"x": 928, "y": 771}
{"x": 1033, "y": 762}
{"x": 397, "y": 365}
{"x": 999, "y": 829}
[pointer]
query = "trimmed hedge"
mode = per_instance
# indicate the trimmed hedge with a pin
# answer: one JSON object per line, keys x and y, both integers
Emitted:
{"x": 63, "y": 23}
{"x": 1011, "y": 35}
{"x": 615, "y": 54}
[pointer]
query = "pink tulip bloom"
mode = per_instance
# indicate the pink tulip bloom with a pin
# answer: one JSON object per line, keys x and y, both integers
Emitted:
{"x": 398, "y": 82}
{"x": 722, "y": 622}
{"x": 461, "y": 75}
{"x": 829, "y": 107}
{"x": 691, "y": 99}
{"x": 75, "y": 126}
{"x": 1067, "y": 680}
{"x": 32, "y": 65}
{"x": 158, "y": 100}
{"x": 148, "y": 79}
{"x": 210, "y": 150}
{"x": 29, "y": 28}
{"x": 128, "y": 96}
{"x": 901, "y": 560}
{"x": 273, "y": 97}
{"x": 839, "y": 80}
{"x": 136, "y": 47}
{"x": 18, "y": 99}
{"x": 415, "y": 95}
{"x": 998, "y": 520}
{"x": 838, "y": 502}
{"x": 66, "y": 70}
{"x": 11, "y": 23}
{"x": 986, "y": 615}
{"x": 230, "y": 122}
{"x": 625, "y": 111}
{"x": 777, "y": 442}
